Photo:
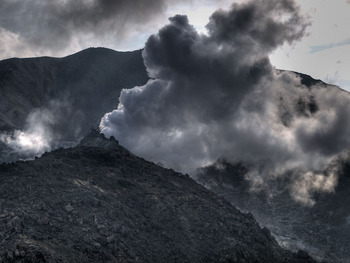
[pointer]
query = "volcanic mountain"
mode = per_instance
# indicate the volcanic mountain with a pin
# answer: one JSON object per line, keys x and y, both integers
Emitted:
{"x": 98, "y": 202}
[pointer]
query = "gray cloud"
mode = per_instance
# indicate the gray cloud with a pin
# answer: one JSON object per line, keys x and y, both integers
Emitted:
{"x": 53, "y": 27}
{"x": 265, "y": 25}
{"x": 200, "y": 81}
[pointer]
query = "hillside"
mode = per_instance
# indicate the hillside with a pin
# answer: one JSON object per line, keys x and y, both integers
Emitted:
{"x": 97, "y": 202}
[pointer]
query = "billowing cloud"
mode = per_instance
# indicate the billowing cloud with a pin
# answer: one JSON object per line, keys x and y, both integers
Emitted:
{"x": 201, "y": 81}
{"x": 217, "y": 96}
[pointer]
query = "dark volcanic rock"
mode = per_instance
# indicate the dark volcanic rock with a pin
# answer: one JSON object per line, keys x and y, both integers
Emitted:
{"x": 323, "y": 230}
{"x": 98, "y": 203}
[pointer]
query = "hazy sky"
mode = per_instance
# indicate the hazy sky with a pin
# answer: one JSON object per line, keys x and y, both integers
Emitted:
{"x": 62, "y": 27}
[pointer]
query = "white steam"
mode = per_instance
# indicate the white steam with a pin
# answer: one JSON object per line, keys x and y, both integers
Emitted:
{"x": 309, "y": 183}
{"x": 44, "y": 130}
{"x": 36, "y": 138}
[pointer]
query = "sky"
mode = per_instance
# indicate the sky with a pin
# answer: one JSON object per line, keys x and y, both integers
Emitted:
{"x": 58, "y": 28}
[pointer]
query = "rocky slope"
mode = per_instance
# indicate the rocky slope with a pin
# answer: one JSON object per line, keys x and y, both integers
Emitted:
{"x": 323, "y": 230}
{"x": 99, "y": 203}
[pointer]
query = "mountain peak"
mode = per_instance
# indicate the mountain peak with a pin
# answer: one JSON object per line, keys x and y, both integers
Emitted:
{"x": 96, "y": 139}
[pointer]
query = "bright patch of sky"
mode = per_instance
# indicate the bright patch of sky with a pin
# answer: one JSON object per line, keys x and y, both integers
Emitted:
{"x": 325, "y": 52}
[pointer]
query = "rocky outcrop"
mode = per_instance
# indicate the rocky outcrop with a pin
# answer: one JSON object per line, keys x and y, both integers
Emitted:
{"x": 97, "y": 202}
